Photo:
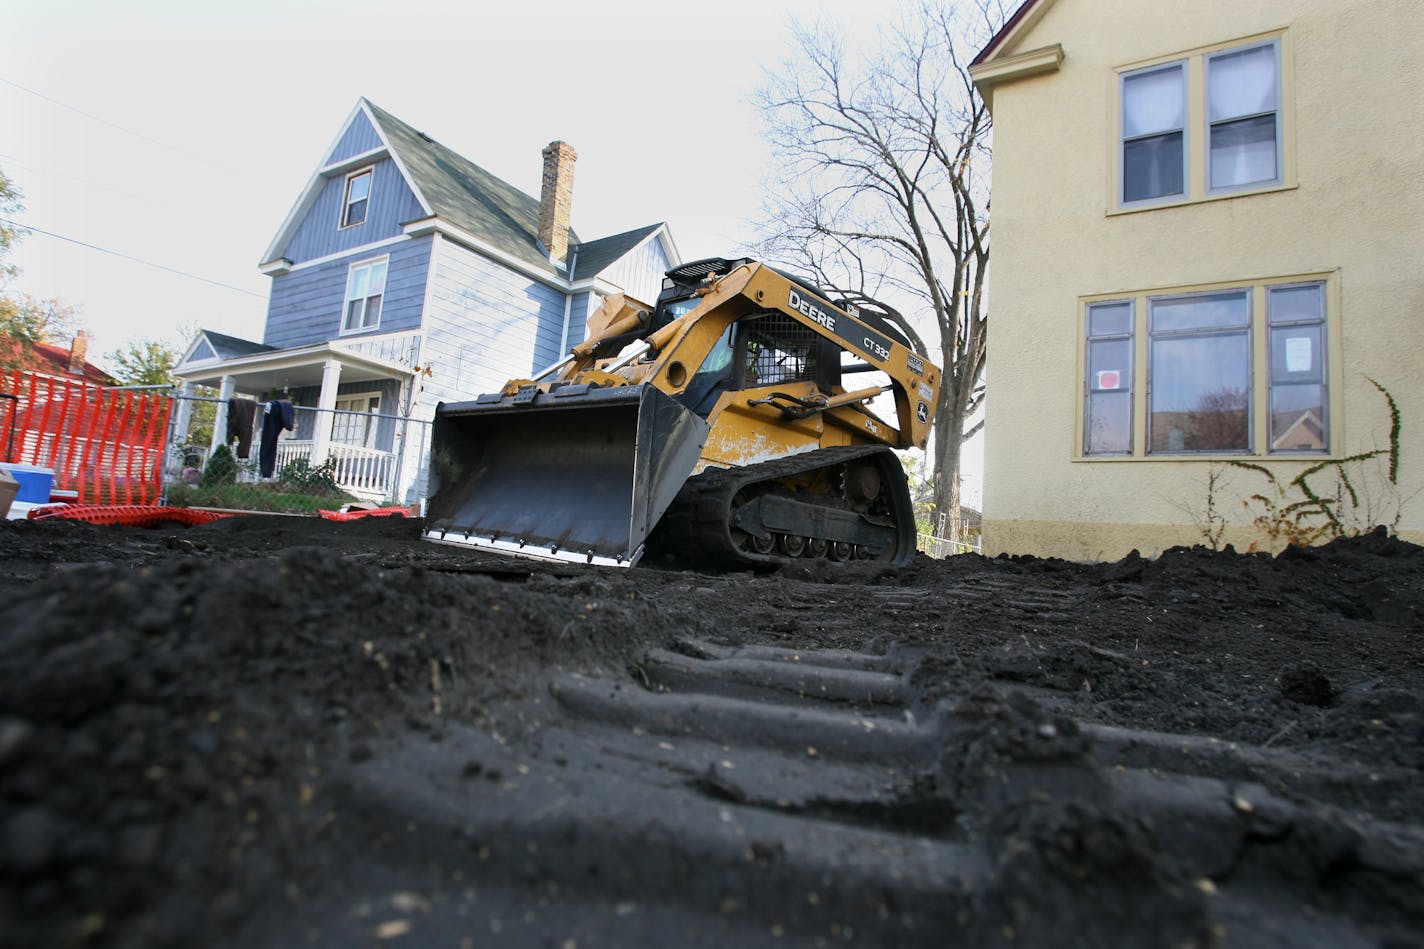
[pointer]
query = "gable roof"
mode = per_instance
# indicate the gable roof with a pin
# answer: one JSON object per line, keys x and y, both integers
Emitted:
{"x": 597, "y": 256}
{"x": 999, "y": 61}
{"x": 447, "y": 185}
{"x": 209, "y": 346}
{"x": 227, "y": 347}
{"x": 1028, "y": 13}
{"x": 49, "y": 360}
{"x": 461, "y": 193}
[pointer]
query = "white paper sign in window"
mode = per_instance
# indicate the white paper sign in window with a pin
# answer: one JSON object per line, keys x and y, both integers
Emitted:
{"x": 1298, "y": 354}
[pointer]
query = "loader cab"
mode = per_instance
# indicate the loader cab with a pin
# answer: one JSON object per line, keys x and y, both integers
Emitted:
{"x": 677, "y": 308}
{"x": 762, "y": 350}
{"x": 683, "y": 286}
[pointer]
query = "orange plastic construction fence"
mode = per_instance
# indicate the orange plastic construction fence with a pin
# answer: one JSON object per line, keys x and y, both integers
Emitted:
{"x": 372, "y": 512}
{"x": 128, "y": 515}
{"x": 106, "y": 444}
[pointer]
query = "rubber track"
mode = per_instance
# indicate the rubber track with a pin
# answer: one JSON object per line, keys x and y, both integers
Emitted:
{"x": 697, "y": 520}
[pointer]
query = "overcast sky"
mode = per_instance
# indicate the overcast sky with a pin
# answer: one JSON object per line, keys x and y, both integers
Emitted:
{"x": 181, "y": 133}
{"x": 203, "y": 121}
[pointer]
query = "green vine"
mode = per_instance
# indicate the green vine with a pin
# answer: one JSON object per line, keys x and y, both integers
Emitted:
{"x": 1315, "y": 516}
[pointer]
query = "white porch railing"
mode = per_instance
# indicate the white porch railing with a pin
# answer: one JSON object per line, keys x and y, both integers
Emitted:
{"x": 365, "y": 472}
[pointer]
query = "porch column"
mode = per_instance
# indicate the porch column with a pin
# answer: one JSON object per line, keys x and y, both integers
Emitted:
{"x": 181, "y": 418}
{"x": 326, "y": 414}
{"x": 227, "y": 388}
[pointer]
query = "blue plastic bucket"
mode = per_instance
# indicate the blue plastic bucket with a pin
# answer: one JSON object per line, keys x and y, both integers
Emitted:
{"x": 35, "y": 482}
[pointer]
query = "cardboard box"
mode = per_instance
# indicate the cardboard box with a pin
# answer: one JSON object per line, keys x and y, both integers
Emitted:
{"x": 9, "y": 487}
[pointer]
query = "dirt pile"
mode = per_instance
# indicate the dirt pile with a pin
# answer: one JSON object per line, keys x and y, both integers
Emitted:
{"x": 284, "y": 732}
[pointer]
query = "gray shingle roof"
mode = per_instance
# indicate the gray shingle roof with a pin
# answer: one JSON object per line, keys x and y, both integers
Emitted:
{"x": 596, "y": 256}
{"x": 230, "y": 347}
{"x": 463, "y": 194}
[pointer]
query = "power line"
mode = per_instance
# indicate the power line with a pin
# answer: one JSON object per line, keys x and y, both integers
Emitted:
{"x": 114, "y": 125}
{"x": 137, "y": 260}
{"x": 11, "y": 160}
{"x": 87, "y": 115}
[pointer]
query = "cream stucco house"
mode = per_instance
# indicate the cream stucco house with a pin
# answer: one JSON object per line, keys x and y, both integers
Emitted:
{"x": 1208, "y": 239}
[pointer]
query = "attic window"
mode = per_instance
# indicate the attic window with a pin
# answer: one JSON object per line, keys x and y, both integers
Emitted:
{"x": 358, "y": 196}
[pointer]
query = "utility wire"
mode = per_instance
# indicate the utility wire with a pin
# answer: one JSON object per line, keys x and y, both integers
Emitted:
{"x": 11, "y": 160}
{"x": 114, "y": 125}
{"x": 87, "y": 115}
{"x": 137, "y": 260}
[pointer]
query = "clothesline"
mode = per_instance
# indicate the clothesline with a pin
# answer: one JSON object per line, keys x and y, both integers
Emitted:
{"x": 243, "y": 423}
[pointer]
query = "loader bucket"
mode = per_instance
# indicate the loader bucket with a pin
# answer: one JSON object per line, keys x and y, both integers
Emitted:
{"x": 579, "y": 473}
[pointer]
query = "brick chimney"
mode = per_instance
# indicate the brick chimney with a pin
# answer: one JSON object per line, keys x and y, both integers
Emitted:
{"x": 77, "y": 351}
{"x": 555, "y": 199}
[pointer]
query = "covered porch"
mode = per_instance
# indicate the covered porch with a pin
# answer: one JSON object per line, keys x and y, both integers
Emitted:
{"x": 347, "y": 408}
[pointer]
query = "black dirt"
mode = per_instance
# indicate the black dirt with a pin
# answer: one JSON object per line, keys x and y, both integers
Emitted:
{"x": 289, "y": 732}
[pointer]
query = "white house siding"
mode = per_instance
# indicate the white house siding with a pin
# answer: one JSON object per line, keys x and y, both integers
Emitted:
{"x": 359, "y": 138}
{"x": 483, "y": 324}
{"x": 392, "y": 204}
{"x": 640, "y": 273}
{"x": 306, "y": 305}
{"x": 403, "y": 349}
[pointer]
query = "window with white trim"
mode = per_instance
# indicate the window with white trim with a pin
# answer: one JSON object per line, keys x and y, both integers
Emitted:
{"x": 358, "y": 197}
{"x": 1234, "y": 369}
{"x": 365, "y": 288}
{"x": 1201, "y": 125}
{"x": 356, "y": 420}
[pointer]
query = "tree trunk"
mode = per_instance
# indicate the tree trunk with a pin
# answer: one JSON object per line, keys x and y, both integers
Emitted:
{"x": 884, "y": 195}
{"x": 948, "y": 441}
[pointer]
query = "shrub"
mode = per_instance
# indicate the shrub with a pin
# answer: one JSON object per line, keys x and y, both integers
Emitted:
{"x": 221, "y": 468}
{"x": 303, "y": 476}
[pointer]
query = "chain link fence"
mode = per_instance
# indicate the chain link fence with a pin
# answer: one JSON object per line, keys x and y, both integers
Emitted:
{"x": 252, "y": 456}
{"x": 292, "y": 459}
{"x": 941, "y": 547}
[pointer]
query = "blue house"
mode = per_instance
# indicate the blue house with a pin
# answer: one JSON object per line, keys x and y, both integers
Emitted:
{"x": 407, "y": 275}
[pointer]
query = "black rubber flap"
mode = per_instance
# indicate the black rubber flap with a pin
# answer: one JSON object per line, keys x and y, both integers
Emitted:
{"x": 583, "y": 474}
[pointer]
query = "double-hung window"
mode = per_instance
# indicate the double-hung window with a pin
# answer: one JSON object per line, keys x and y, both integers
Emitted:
{"x": 365, "y": 288}
{"x": 1154, "y": 122}
{"x": 1243, "y": 116}
{"x": 1227, "y": 369}
{"x": 1203, "y": 124}
{"x": 358, "y": 196}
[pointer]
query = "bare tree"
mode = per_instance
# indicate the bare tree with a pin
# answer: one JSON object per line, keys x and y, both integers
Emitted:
{"x": 882, "y": 193}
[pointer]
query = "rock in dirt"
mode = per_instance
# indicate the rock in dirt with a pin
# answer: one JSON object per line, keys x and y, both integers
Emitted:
{"x": 1303, "y": 682}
